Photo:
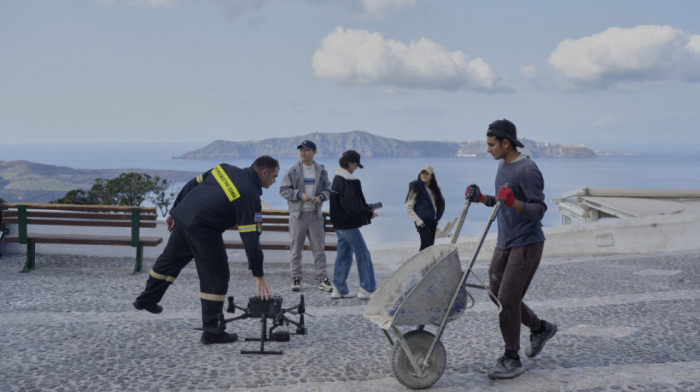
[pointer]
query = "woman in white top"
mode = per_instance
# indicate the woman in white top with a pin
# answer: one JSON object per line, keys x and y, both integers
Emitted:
{"x": 425, "y": 205}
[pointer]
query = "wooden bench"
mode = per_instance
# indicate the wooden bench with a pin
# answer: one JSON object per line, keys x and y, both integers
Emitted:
{"x": 84, "y": 216}
{"x": 278, "y": 221}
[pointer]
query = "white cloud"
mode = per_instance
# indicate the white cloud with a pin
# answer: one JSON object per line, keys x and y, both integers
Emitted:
{"x": 366, "y": 58}
{"x": 628, "y": 55}
{"x": 529, "y": 72}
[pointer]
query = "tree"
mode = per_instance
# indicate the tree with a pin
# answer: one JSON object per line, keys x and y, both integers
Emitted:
{"x": 162, "y": 195}
{"x": 76, "y": 196}
{"x": 129, "y": 189}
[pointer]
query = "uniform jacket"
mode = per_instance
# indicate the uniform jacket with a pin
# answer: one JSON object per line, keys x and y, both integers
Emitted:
{"x": 221, "y": 198}
{"x": 292, "y": 187}
{"x": 349, "y": 209}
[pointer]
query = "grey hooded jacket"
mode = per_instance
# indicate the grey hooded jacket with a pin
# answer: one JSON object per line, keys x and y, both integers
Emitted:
{"x": 292, "y": 186}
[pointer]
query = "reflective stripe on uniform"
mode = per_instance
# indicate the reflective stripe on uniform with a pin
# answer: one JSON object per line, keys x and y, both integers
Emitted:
{"x": 213, "y": 297}
{"x": 226, "y": 183}
{"x": 247, "y": 228}
{"x": 200, "y": 178}
{"x": 166, "y": 278}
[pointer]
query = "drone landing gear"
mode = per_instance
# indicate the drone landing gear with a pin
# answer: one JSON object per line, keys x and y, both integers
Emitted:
{"x": 264, "y": 309}
{"x": 262, "y": 339}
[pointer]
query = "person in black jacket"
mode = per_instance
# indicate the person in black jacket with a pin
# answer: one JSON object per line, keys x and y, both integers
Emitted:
{"x": 349, "y": 212}
{"x": 207, "y": 205}
{"x": 425, "y": 205}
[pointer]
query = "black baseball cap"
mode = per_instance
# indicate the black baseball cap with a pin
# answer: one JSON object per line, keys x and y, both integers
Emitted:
{"x": 353, "y": 156}
{"x": 307, "y": 144}
{"x": 505, "y": 129}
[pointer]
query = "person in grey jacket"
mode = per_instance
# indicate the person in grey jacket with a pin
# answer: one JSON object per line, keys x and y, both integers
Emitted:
{"x": 305, "y": 186}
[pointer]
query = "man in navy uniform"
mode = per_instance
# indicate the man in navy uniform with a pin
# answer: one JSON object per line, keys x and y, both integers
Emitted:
{"x": 207, "y": 205}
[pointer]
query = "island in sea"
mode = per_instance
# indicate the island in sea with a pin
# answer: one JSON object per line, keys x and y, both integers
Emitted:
{"x": 23, "y": 181}
{"x": 370, "y": 145}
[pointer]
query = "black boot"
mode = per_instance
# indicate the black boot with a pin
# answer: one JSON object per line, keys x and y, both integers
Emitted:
{"x": 153, "y": 308}
{"x": 213, "y": 338}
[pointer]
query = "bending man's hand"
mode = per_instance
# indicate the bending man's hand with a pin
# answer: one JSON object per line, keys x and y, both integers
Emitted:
{"x": 261, "y": 289}
{"x": 169, "y": 222}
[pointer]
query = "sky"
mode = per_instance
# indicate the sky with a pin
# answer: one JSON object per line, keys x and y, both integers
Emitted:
{"x": 610, "y": 74}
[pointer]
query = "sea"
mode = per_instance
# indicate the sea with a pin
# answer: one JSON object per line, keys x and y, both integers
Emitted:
{"x": 386, "y": 180}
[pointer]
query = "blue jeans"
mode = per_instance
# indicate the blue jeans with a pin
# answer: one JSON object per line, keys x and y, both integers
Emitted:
{"x": 351, "y": 241}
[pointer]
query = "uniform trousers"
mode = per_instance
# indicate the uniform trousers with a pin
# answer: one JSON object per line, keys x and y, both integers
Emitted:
{"x": 510, "y": 274}
{"x": 206, "y": 246}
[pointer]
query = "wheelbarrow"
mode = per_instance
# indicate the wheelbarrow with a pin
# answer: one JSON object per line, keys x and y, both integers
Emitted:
{"x": 430, "y": 288}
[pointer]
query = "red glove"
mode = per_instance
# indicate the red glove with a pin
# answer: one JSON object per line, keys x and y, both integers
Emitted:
{"x": 473, "y": 193}
{"x": 506, "y": 194}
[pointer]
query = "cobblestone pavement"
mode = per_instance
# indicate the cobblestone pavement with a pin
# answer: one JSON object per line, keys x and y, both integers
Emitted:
{"x": 626, "y": 323}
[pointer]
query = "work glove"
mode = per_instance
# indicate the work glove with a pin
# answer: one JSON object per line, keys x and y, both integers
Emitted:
{"x": 506, "y": 194}
{"x": 473, "y": 193}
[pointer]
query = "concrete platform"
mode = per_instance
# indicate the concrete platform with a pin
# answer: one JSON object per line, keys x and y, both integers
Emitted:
{"x": 626, "y": 323}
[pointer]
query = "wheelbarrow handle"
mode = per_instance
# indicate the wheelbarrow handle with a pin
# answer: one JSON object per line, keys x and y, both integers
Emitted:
{"x": 460, "y": 223}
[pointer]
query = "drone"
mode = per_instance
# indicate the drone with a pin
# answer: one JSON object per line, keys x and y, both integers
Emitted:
{"x": 265, "y": 309}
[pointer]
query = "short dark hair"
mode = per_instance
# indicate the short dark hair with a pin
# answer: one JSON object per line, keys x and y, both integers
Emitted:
{"x": 265, "y": 162}
{"x": 344, "y": 162}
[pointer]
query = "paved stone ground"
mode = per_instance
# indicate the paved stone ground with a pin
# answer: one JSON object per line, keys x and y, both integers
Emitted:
{"x": 626, "y": 323}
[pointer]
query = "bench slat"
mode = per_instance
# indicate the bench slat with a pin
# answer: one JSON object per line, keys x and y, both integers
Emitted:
{"x": 274, "y": 245}
{"x": 78, "y": 215}
{"x": 77, "y": 222}
{"x": 79, "y": 207}
{"x": 77, "y": 239}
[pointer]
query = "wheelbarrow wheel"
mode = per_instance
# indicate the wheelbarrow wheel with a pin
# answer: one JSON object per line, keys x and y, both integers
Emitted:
{"x": 419, "y": 343}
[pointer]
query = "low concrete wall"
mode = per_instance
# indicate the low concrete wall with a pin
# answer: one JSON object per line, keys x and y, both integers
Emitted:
{"x": 658, "y": 233}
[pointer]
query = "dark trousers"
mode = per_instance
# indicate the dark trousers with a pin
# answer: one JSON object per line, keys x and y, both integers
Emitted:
{"x": 427, "y": 234}
{"x": 510, "y": 274}
{"x": 206, "y": 246}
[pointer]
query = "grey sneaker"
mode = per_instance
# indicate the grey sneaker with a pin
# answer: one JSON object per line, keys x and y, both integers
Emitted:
{"x": 325, "y": 285}
{"x": 296, "y": 284}
{"x": 506, "y": 368}
{"x": 537, "y": 340}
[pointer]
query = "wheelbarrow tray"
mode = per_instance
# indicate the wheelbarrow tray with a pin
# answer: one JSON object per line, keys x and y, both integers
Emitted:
{"x": 420, "y": 290}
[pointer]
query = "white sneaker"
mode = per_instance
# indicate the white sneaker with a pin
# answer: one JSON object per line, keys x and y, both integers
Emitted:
{"x": 335, "y": 294}
{"x": 364, "y": 294}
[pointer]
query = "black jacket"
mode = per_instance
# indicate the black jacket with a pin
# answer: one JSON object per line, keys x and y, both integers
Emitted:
{"x": 349, "y": 209}
{"x": 204, "y": 202}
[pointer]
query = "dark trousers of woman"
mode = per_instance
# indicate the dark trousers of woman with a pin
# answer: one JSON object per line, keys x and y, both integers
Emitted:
{"x": 206, "y": 246}
{"x": 510, "y": 274}
{"x": 427, "y": 234}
